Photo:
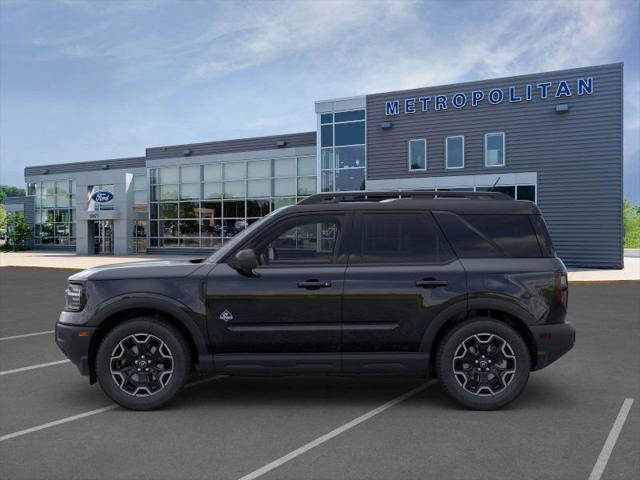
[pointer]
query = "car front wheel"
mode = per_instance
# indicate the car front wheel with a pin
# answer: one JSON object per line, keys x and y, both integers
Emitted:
{"x": 484, "y": 364}
{"x": 143, "y": 363}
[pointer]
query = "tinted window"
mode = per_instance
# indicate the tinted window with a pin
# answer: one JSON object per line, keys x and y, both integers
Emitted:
{"x": 417, "y": 154}
{"x": 326, "y": 118}
{"x": 490, "y": 236}
{"x": 327, "y": 135}
{"x": 543, "y": 236}
{"x": 349, "y": 133}
{"x": 527, "y": 192}
{"x": 402, "y": 237}
{"x": 350, "y": 116}
{"x": 455, "y": 152}
{"x": 305, "y": 243}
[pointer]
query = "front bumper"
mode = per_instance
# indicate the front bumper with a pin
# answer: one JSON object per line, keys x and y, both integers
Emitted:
{"x": 74, "y": 342}
{"x": 552, "y": 341}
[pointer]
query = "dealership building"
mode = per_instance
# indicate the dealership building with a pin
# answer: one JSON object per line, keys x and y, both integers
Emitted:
{"x": 553, "y": 138}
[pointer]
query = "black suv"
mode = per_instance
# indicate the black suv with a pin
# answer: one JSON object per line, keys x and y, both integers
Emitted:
{"x": 464, "y": 285}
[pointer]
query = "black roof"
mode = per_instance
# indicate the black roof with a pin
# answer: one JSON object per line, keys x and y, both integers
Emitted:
{"x": 458, "y": 202}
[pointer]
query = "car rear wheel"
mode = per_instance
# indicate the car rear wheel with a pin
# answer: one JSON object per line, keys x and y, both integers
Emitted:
{"x": 483, "y": 364}
{"x": 143, "y": 363}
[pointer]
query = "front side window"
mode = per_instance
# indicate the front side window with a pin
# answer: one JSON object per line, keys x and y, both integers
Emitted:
{"x": 308, "y": 242}
{"x": 418, "y": 154}
{"x": 455, "y": 152}
{"x": 402, "y": 238}
{"x": 494, "y": 146}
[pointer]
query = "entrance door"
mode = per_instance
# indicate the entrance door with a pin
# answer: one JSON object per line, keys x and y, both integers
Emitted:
{"x": 103, "y": 237}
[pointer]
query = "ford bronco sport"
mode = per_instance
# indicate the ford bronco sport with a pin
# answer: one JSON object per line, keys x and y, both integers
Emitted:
{"x": 465, "y": 286}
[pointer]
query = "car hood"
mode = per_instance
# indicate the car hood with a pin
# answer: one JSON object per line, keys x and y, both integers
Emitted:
{"x": 153, "y": 269}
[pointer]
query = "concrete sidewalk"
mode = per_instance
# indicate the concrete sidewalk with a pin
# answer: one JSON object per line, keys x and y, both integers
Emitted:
{"x": 50, "y": 259}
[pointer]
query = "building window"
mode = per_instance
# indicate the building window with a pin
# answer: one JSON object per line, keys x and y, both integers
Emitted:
{"x": 342, "y": 151}
{"x": 418, "y": 154}
{"x": 203, "y": 206}
{"x": 519, "y": 192}
{"x": 494, "y": 150}
{"x": 455, "y": 152}
{"x": 55, "y": 212}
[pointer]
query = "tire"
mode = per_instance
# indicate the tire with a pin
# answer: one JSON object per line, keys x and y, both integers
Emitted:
{"x": 483, "y": 364}
{"x": 143, "y": 363}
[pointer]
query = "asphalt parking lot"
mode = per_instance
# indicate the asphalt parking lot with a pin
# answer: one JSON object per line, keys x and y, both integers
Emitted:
{"x": 303, "y": 428}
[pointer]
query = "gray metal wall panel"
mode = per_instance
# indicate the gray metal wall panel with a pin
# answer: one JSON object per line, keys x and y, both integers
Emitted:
{"x": 230, "y": 146}
{"x": 113, "y": 164}
{"x": 577, "y": 155}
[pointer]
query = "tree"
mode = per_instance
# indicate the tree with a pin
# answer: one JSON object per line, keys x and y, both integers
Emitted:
{"x": 10, "y": 191}
{"x": 3, "y": 218}
{"x": 631, "y": 225}
{"x": 18, "y": 231}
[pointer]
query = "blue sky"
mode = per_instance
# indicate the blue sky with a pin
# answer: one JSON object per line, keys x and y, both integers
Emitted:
{"x": 88, "y": 80}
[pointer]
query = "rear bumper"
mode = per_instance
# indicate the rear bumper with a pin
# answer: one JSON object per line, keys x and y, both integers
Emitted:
{"x": 74, "y": 346}
{"x": 552, "y": 341}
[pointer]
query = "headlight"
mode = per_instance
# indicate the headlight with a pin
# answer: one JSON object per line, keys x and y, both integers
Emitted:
{"x": 74, "y": 297}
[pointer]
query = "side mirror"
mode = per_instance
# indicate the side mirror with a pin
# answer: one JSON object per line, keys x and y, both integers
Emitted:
{"x": 245, "y": 262}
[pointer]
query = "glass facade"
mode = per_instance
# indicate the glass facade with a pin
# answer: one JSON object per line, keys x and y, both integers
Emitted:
{"x": 140, "y": 228}
{"x": 199, "y": 206}
{"x": 343, "y": 151}
{"x": 54, "y": 212}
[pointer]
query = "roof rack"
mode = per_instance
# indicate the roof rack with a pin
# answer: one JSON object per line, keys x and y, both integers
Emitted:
{"x": 378, "y": 196}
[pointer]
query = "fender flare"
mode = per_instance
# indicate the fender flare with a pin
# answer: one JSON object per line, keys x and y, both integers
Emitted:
{"x": 464, "y": 306}
{"x": 164, "y": 304}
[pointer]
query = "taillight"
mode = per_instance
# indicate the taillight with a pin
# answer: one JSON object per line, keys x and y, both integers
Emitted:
{"x": 562, "y": 289}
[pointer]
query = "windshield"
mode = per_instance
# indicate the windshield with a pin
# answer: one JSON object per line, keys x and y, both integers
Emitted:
{"x": 231, "y": 244}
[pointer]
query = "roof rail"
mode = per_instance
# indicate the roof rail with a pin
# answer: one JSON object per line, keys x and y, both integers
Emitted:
{"x": 378, "y": 196}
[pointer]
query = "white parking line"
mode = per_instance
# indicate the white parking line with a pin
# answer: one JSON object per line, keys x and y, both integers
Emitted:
{"x": 37, "y": 428}
{"x": 13, "y": 337}
{"x": 32, "y": 367}
{"x": 334, "y": 433}
{"x": 601, "y": 463}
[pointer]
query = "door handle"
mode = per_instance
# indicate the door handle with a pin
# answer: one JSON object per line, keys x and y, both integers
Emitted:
{"x": 314, "y": 284}
{"x": 431, "y": 283}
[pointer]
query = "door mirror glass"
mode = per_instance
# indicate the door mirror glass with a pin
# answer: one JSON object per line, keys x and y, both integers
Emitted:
{"x": 245, "y": 262}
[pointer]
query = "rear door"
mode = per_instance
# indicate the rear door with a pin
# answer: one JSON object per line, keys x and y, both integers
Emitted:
{"x": 402, "y": 274}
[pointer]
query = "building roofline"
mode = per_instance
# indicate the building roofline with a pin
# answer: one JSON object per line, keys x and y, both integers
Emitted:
{"x": 469, "y": 82}
{"x": 283, "y": 140}
{"x": 92, "y": 165}
{"x": 217, "y": 142}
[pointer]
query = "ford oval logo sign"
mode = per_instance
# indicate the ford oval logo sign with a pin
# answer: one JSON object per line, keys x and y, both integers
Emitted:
{"x": 102, "y": 197}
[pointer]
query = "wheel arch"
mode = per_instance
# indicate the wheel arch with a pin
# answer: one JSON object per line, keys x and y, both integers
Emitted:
{"x": 502, "y": 310}
{"x": 121, "y": 310}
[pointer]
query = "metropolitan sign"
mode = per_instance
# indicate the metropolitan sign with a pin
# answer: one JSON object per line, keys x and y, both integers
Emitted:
{"x": 493, "y": 96}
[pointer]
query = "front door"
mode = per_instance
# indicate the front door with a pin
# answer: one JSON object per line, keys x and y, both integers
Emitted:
{"x": 401, "y": 275}
{"x": 103, "y": 237}
{"x": 286, "y": 317}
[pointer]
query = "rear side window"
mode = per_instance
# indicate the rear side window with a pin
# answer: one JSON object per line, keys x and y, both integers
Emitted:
{"x": 402, "y": 238}
{"x": 543, "y": 236}
{"x": 490, "y": 236}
